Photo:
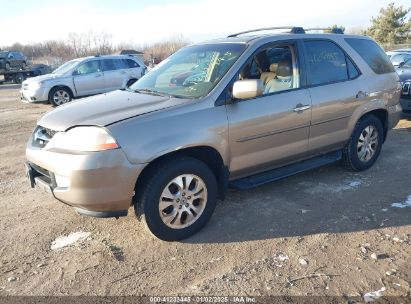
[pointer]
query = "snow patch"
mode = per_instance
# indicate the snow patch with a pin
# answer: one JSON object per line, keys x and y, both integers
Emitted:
{"x": 71, "y": 239}
{"x": 349, "y": 184}
{"x": 405, "y": 204}
{"x": 374, "y": 295}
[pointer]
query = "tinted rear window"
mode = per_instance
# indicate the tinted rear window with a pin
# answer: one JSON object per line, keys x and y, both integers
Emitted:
{"x": 373, "y": 55}
{"x": 132, "y": 64}
{"x": 326, "y": 61}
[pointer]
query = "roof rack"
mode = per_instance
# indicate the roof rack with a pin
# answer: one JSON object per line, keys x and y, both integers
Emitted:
{"x": 293, "y": 29}
{"x": 334, "y": 30}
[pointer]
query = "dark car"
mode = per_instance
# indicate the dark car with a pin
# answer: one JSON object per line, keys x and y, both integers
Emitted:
{"x": 41, "y": 69}
{"x": 404, "y": 71}
{"x": 12, "y": 60}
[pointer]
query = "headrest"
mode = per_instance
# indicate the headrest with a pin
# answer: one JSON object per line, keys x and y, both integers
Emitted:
{"x": 273, "y": 67}
{"x": 284, "y": 68}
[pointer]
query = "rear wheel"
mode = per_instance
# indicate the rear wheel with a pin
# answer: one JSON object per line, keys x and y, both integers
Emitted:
{"x": 59, "y": 96}
{"x": 365, "y": 144}
{"x": 179, "y": 198}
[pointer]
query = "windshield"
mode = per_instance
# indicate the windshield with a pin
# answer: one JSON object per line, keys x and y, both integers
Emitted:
{"x": 192, "y": 72}
{"x": 3, "y": 54}
{"x": 66, "y": 67}
{"x": 406, "y": 64}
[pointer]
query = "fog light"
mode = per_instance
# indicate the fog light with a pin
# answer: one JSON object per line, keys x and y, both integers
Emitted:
{"x": 62, "y": 181}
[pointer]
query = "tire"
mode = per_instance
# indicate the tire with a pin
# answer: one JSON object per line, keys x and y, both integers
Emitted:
{"x": 18, "y": 78}
{"x": 169, "y": 219}
{"x": 59, "y": 96}
{"x": 364, "y": 146}
{"x": 7, "y": 66}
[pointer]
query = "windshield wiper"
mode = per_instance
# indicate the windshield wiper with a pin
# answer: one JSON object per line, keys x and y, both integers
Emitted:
{"x": 151, "y": 92}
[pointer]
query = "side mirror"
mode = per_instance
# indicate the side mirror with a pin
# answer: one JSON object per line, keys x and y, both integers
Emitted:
{"x": 401, "y": 64}
{"x": 75, "y": 72}
{"x": 248, "y": 88}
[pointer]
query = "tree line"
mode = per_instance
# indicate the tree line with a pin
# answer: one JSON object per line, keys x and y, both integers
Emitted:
{"x": 93, "y": 43}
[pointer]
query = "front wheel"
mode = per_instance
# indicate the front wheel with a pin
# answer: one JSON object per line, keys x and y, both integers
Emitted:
{"x": 179, "y": 198}
{"x": 59, "y": 96}
{"x": 365, "y": 144}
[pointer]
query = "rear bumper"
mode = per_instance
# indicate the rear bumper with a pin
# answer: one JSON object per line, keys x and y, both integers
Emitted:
{"x": 97, "y": 184}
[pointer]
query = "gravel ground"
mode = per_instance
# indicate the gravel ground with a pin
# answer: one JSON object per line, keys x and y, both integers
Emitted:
{"x": 323, "y": 232}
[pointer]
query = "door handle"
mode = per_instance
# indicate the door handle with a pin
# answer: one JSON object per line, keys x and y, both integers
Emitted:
{"x": 361, "y": 95}
{"x": 301, "y": 108}
{"x": 99, "y": 75}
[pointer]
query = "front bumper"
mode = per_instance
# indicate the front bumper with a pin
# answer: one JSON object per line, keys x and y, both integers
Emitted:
{"x": 97, "y": 183}
{"x": 28, "y": 94}
{"x": 406, "y": 103}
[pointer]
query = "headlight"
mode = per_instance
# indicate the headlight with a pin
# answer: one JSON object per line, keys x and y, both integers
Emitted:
{"x": 84, "y": 139}
{"x": 35, "y": 85}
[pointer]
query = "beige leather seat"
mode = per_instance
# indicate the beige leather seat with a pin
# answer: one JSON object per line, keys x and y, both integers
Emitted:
{"x": 283, "y": 79}
{"x": 267, "y": 76}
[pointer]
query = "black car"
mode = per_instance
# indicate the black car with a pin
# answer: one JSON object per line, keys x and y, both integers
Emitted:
{"x": 404, "y": 71}
{"x": 12, "y": 60}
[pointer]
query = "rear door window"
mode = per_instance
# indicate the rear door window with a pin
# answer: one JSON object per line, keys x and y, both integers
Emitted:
{"x": 327, "y": 63}
{"x": 120, "y": 64}
{"x": 108, "y": 65}
{"x": 132, "y": 64}
{"x": 372, "y": 54}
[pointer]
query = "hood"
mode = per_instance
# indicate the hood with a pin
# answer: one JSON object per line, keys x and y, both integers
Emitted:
{"x": 405, "y": 74}
{"x": 44, "y": 78}
{"x": 105, "y": 109}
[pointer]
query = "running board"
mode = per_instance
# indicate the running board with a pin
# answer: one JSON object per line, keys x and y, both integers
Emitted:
{"x": 279, "y": 173}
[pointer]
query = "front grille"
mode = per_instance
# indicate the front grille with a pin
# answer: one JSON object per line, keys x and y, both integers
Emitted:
{"x": 42, "y": 136}
{"x": 406, "y": 87}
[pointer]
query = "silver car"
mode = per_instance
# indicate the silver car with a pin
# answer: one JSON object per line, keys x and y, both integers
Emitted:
{"x": 240, "y": 111}
{"x": 83, "y": 77}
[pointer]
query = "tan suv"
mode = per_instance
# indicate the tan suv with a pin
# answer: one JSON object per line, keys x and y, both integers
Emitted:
{"x": 239, "y": 111}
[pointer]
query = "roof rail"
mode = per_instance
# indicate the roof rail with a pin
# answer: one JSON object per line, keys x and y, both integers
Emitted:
{"x": 293, "y": 29}
{"x": 334, "y": 30}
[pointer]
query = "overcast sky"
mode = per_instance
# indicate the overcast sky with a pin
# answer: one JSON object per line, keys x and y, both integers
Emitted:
{"x": 141, "y": 22}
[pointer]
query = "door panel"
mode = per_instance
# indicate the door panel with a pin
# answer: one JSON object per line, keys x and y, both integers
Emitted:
{"x": 89, "y": 79}
{"x": 265, "y": 132}
{"x": 337, "y": 89}
{"x": 332, "y": 107}
{"x": 115, "y": 74}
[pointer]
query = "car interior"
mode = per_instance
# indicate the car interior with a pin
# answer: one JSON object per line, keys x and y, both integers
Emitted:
{"x": 276, "y": 67}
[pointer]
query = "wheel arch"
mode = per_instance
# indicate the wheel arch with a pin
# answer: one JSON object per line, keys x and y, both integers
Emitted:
{"x": 207, "y": 154}
{"x": 377, "y": 108}
{"x": 382, "y": 115}
{"x": 60, "y": 86}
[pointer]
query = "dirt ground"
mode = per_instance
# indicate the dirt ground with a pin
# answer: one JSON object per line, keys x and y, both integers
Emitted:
{"x": 324, "y": 232}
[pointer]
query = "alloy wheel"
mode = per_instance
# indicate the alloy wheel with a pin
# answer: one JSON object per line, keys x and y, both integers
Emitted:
{"x": 60, "y": 97}
{"x": 183, "y": 201}
{"x": 367, "y": 143}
